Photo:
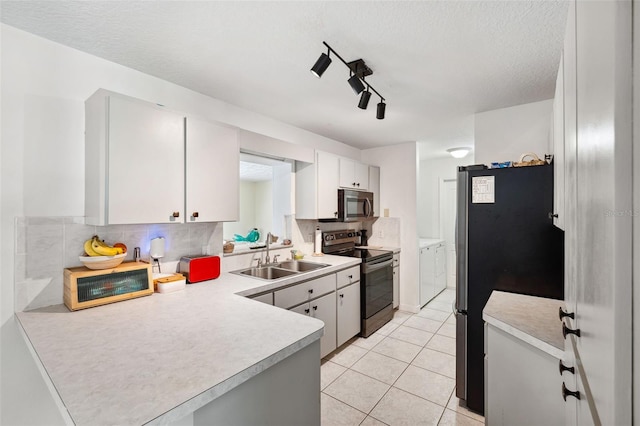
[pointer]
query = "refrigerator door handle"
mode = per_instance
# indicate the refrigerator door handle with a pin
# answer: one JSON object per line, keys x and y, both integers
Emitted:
{"x": 462, "y": 221}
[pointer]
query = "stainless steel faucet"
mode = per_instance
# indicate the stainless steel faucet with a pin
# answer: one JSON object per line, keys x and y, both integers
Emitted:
{"x": 267, "y": 259}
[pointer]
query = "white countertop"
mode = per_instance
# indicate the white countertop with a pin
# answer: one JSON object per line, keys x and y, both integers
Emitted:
{"x": 426, "y": 242}
{"x": 161, "y": 357}
{"x": 531, "y": 319}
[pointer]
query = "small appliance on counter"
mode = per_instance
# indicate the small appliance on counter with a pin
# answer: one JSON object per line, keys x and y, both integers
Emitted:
{"x": 199, "y": 268}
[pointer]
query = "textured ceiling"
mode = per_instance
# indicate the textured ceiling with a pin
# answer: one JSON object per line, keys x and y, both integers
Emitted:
{"x": 433, "y": 61}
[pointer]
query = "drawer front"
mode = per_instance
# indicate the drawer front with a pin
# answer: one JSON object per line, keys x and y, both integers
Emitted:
{"x": 348, "y": 276}
{"x": 304, "y": 292}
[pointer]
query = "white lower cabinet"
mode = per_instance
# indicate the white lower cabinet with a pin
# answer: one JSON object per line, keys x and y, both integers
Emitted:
{"x": 324, "y": 309}
{"x": 433, "y": 271}
{"x": 348, "y": 312}
{"x": 318, "y": 298}
{"x": 522, "y": 383}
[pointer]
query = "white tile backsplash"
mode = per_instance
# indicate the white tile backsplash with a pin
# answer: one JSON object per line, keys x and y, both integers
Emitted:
{"x": 44, "y": 246}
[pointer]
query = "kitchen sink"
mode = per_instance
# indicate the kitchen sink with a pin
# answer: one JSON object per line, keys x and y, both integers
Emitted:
{"x": 266, "y": 272}
{"x": 301, "y": 266}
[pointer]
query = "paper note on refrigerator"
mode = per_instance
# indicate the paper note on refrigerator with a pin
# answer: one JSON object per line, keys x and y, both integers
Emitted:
{"x": 483, "y": 189}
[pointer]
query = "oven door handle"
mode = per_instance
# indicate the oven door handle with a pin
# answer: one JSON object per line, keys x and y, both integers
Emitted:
{"x": 376, "y": 266}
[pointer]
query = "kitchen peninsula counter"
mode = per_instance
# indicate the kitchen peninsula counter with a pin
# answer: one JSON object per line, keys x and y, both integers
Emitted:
{"x": 159, "y": 358}
{"x": 528, "y": 318}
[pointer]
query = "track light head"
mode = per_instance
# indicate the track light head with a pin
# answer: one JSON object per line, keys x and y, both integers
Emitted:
{"x": 364, "y": 99}
{"x": 321, "y": 65}
{"x": 381, "y": 107}
{"x": 356, "y": 84}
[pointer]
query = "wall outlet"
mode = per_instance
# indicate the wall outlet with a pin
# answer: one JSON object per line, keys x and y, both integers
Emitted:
{"x": 386, "y": 212}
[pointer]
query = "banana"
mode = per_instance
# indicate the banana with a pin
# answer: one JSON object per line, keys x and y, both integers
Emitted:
{"x": 89, "y": 249}
{"x": 103, "y": 249}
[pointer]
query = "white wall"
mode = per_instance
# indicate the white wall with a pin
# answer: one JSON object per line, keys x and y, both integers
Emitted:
{"x": 505, "y": 134}
{"x": 431, "y": 172}
{"x": 398, "y": 189}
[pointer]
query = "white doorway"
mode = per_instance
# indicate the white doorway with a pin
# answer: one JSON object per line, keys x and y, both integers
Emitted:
{"x": 448, "y": 211}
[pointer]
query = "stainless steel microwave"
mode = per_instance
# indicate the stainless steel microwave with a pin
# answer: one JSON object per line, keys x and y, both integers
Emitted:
{"x": 354, "y": 206}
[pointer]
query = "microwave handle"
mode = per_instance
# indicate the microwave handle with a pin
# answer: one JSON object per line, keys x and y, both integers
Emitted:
{"x": 370, "y": 212}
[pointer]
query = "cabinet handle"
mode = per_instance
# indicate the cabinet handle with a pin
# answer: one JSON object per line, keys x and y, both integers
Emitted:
{"x": 335, "y": 214}
{"x": 310, "y": 291}
{"x": 353, "y": 184}
{"x": 306, "y": 310}
{"x": 553, "y": 215}
{"x": 566, "y": 330}
{"x": 195, "y": 214}
{"x": 563, "y": 314}
{"x": 342, "y": 296}
{"x": 350, "y": 277}
{"x": 566, "y": 392}
{"x": 176, "y": 214}
{"x": 564, "y": 368}
{"x": 315, "y": 308}
{"x": 358, "y": 184}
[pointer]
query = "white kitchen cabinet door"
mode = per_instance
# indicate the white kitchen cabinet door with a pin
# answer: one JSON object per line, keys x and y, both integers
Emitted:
{"x": 324, "y": 309}
{"x": 558, "y": 150}
{"x": 427, "y": 274}
{"x": 374, "y": 187}
{"x": 317, "y": 187}
{"x": 212, "y": 175}
{"x": 353, "y": 175}
{"x": 605, "y": 205}
{"x": 522, "y": 383}
{"x": 327, "y": 185}
{"x": 361, "y": 175}
{"x": 348, "y": 312}
{"x": 145, "y": 163}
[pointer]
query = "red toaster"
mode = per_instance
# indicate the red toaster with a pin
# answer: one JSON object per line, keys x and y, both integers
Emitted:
{"x": 200, "y": 268}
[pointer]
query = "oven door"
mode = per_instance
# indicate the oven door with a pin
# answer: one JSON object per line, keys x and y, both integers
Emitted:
{"x": 377, "y": 287}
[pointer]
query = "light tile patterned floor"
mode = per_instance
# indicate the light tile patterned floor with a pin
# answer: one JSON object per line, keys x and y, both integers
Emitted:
{"x": 404, "y": 374}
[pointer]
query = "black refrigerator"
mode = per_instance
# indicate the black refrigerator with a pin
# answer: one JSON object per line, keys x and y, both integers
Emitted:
{"x": 505, "y": 240}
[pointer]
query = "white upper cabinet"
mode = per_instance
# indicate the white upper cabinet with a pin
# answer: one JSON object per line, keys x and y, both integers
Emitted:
{"x": 374, "y": 186}
{"x": 353, "y": 175}
{"x": 212, "y": 175}
{"x": 140, "y": 169}
{"x": 134, "y": 162}
{"x": 317, "y": 187}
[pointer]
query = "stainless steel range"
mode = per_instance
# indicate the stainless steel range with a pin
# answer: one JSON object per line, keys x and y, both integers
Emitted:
{"x": 376, "y": 277}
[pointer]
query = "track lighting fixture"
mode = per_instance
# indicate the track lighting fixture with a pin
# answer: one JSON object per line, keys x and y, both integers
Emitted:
{"x": 356, "y": 84}
{"x": 358, "y": 70}
{"x": 364, "y": 99}
{"x": 321, "y": 65}
{"x": 381, "y": 107}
